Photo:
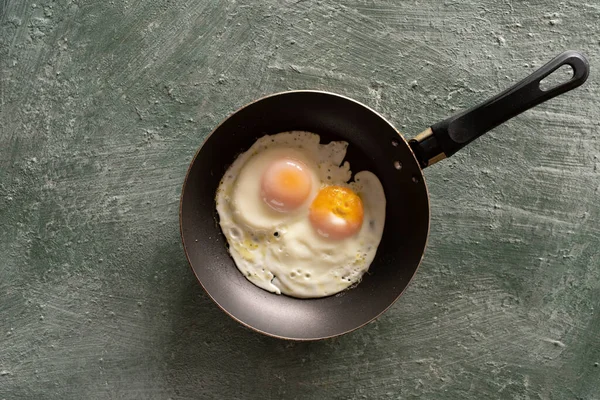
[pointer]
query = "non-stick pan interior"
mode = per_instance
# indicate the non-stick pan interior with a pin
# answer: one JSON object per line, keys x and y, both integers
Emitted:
{"x": 375, "y": 146}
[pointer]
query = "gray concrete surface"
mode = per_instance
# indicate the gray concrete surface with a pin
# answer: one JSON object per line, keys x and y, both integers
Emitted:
{"x": 104, "y": 103}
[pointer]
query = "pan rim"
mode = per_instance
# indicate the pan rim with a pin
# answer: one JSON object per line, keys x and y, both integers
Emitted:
{"x": 185, "y": 180}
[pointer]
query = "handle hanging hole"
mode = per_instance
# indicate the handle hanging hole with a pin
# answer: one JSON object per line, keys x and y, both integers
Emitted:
{"x": 398, "y": 165}
{"x": 560, "y": 76}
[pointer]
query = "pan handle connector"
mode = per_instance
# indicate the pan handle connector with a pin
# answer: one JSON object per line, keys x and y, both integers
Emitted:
{"x": 450, "y": 135}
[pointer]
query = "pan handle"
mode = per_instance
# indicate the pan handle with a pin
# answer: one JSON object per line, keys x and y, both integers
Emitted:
{"x": 450, "y": 135}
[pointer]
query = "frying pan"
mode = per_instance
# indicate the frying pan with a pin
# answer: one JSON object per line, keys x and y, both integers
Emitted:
{"x": 374, "y": 145}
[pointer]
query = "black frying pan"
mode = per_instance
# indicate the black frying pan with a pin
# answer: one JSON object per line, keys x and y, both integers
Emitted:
{"x": 375, "y": 145}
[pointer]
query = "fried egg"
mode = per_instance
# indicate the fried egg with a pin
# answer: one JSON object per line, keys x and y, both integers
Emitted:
{"x": 294, "y": 222}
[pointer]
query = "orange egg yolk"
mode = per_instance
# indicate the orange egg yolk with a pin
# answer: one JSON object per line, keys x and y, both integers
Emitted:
{"x": 286, "y": 184}
{"x": 337, "y": 212}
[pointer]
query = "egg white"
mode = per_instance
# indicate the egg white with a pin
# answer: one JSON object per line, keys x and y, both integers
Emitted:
{"x": 282, "y": 252}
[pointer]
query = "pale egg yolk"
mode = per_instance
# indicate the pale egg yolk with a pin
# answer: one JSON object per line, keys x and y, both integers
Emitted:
{"x": 286, "y": 184}
{"x": 337, "y": 212}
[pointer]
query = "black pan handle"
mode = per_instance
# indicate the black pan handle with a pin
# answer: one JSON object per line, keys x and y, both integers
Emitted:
{"x": 450, "y": 135}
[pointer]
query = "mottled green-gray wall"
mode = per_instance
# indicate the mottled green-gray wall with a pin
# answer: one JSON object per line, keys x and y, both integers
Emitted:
{"x": 103, "y": 104}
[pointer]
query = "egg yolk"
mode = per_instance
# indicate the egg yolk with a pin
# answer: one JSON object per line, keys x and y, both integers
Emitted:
{"x": 285, "y": 184}
{"x": 337, "y": 212}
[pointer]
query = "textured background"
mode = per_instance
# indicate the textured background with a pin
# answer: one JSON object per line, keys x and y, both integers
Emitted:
{"x": 103, "y": 104}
